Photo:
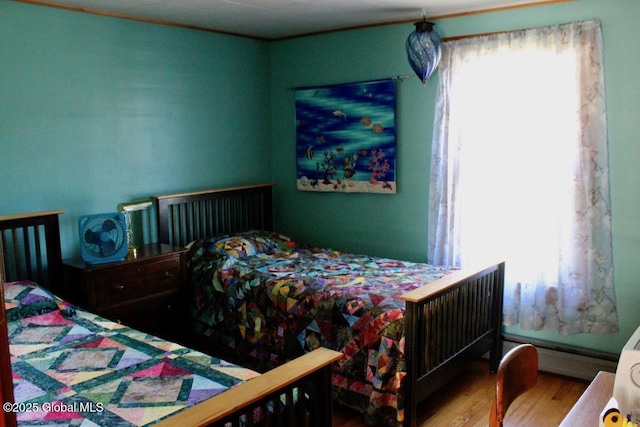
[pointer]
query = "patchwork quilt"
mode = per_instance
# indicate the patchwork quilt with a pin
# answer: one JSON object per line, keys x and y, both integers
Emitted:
{"x": 72, "y": 367}
{"x": 265, "y": 297}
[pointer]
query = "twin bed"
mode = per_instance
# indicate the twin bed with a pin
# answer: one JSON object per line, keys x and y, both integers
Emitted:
{"x": 61, "y": 365}
{"x": 397, "y": 331}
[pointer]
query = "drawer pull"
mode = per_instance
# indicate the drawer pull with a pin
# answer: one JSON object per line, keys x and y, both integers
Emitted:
{"x": 117, "y": 288}
{"x": 166, "y": 275}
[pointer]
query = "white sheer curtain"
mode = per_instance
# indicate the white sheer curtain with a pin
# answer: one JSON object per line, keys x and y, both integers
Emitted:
{"x": 520, "y": 172}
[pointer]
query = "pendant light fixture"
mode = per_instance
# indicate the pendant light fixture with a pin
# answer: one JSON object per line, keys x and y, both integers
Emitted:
{"x": 423, "y": 49}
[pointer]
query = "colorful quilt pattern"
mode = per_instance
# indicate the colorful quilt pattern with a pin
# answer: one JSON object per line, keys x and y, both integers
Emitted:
{"x": 277, "y": 301}
{"x": 71, "y": 367}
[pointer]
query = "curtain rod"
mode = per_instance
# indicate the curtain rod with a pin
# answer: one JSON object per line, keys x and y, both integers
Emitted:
{"x": 493, "y": 33}
{"x": 472, "y": 36}
{"x": 338, "y": 84}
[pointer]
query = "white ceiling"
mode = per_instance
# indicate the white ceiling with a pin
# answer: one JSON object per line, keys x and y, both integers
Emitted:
{"x": 275, "y": 19}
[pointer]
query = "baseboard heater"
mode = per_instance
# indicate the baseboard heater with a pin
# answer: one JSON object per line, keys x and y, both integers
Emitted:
{"x": 574, "y": 362}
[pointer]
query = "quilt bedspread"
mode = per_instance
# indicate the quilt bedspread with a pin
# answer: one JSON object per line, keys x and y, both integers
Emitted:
{"x": 72, "y": 367}
{"x": 273, "y": 301}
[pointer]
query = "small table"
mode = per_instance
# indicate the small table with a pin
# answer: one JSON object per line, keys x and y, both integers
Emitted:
{"x": 587, "y": 409}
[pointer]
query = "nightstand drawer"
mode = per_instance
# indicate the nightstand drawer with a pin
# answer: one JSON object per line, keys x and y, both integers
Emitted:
{"x": 155, "y": 315}
{"x": 136, "y": 281}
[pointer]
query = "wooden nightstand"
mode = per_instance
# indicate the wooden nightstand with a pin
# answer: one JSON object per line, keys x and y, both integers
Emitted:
{"x": 146, "y": 293}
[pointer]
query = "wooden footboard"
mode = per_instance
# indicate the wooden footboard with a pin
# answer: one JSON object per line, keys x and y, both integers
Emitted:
{"x": 297, "y": 394}
{"x": 449, "y": 323}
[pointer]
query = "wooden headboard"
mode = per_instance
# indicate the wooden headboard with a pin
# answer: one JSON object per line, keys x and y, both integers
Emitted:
{"x": 24, "y": 240}
{"x": 30, "y": 248}
{"x": 185, "y": 217}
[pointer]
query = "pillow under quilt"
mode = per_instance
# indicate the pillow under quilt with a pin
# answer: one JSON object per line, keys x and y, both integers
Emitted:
{"x": 25, "y": 299}
{"x": 228, "y": 248}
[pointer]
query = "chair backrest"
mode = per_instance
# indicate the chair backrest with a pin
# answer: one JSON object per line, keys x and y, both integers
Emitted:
{"x": 517, "y": 373}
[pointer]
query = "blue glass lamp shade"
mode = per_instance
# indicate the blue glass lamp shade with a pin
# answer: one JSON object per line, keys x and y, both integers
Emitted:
{"x": 423, "y": 50}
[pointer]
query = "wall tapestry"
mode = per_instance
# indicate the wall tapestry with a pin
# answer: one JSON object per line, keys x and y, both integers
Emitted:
{"x": 346, "y": 137}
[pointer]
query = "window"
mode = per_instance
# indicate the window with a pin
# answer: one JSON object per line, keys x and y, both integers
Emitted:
{"x": 520, "y": 172}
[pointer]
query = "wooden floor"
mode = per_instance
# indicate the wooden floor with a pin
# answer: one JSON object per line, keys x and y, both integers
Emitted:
{"x": 467, "y": 401}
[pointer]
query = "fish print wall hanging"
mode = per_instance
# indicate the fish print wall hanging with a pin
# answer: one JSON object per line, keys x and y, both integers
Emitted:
{"x": 346, "y": 137}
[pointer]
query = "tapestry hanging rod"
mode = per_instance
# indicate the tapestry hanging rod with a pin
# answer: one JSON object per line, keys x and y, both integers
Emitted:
{"x": 338, "y": 84}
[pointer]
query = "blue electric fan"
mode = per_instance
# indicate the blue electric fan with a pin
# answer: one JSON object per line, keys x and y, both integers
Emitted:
{"x": 103, "y": 238}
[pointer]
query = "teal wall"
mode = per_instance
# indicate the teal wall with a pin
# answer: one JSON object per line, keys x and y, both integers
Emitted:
{"x": 396, "y": 226}
{"x": 96, "y": 110}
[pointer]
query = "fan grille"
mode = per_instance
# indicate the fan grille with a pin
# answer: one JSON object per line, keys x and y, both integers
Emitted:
{"x": 103, "y": 236}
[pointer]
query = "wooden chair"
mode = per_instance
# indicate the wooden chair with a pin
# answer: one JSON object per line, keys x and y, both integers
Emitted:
{"x": 517, "y": 373}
